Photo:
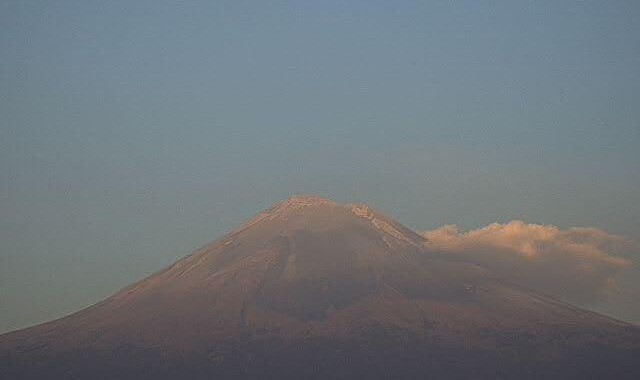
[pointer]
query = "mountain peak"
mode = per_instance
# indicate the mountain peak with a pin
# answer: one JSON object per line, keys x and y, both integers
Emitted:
{"x": 296, "y": 206}
{"x": 310, "y": 198}
{"x": 307, "y": 284}
{"x": 301, "y": 201}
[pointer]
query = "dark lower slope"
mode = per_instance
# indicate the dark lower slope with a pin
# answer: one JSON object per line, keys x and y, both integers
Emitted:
{"x": 377, "y": 358}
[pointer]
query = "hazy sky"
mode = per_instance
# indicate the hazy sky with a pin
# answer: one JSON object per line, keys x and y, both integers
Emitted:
{"x": 134, "y": 132}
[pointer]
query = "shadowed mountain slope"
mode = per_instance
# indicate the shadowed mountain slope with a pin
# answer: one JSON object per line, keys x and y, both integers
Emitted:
{"x": 315, "y": 289}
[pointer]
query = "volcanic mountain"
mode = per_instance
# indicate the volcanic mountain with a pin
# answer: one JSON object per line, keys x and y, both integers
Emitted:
{"x": 311, "y": 289}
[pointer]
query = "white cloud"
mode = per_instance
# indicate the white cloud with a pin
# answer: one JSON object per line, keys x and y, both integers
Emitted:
{"x": 577, "y": 265}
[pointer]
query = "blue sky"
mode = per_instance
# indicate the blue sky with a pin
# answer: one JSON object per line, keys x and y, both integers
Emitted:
{"x": 134, "y": 132}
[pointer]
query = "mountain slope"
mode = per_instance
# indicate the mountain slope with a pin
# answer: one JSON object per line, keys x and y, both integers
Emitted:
{"x": 315, "y": 289}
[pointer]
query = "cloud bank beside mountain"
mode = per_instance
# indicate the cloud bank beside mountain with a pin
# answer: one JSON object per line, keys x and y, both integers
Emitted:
{"x": 578, "y": 265}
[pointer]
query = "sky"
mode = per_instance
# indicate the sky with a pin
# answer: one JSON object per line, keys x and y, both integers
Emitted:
{"x": 132, "y": 133}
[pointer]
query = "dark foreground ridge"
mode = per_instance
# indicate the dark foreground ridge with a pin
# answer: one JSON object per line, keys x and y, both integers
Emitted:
{"x": 311, "y": 289}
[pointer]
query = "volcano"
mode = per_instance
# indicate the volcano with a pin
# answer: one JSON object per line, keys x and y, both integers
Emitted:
{"x": 312, "y": 289}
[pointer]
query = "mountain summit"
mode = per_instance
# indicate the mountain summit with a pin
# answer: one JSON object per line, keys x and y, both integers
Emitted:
{"x": 314, "y": 289}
